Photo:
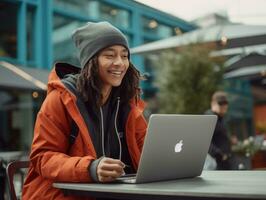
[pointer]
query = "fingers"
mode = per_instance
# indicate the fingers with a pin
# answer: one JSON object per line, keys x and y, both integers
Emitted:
{"x": 109, "y": 169}
{"x": 106, "y": 179}
{"x": 113, "y": 173}
{"x": 114, "y": 161}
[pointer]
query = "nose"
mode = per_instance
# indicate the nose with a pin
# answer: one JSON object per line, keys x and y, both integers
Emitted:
{"x": 118, "y": 61}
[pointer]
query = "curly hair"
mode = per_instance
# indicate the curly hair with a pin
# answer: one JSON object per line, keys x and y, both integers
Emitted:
{"x": 89, "y": 84}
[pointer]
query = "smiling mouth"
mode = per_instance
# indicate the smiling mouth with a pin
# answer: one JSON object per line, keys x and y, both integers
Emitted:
{"x": 116, "y": 73}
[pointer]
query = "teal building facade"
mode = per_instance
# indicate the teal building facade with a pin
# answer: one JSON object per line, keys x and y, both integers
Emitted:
{"x": 34, "y": 34}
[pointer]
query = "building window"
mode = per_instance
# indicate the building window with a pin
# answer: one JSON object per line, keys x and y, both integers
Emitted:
{"x": 88, "y": 7}
{"x": 8, "y": 30}
{"x": 114, "y": 15}
{"x": 151, "y": 26}
{"x": 30, "y": 33}
{"x": 63, "y": 46}
{"x": 96, "y": 10}
{"x": 129, "y": 39}
{"x": 73, "y": 5}
{"x": 18, "y": 110}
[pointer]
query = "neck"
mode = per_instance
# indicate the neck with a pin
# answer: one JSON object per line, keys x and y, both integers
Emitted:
{"x": 105, "y": 94}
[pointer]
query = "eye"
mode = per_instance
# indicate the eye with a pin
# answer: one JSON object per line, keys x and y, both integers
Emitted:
{"x": 124, "y": 56}
{"x": 109, "y": 55}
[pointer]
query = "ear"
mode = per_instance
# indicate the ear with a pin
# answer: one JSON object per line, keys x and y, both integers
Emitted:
{"x": 212, "y": 103}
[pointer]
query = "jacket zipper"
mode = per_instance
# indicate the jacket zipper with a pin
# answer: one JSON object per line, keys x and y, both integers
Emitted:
{"x": 102, "y": 130}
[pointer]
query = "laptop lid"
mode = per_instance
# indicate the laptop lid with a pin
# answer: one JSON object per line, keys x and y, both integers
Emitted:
{"x": 175, "y": 146}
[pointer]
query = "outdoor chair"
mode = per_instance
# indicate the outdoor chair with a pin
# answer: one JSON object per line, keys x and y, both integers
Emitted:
{"x": 11, "y": 169}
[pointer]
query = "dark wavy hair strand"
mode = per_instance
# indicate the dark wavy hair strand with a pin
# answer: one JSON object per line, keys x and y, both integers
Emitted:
{"x": 89, "y": 84}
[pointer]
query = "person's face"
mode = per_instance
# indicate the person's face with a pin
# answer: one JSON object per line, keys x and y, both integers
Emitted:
{"x": 113, "y": 64}
{"x": 220, "y": 108}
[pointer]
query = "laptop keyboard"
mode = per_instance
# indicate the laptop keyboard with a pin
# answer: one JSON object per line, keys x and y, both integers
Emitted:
{"x": 127, "y": 178}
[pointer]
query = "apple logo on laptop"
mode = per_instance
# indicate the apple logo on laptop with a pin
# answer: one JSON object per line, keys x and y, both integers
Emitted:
{"x": 178, "y": 146}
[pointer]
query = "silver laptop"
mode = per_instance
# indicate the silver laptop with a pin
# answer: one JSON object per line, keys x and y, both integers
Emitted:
{"x": 175, "y": 147}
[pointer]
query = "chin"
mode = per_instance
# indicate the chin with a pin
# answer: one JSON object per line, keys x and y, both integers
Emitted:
{"x": 116, "y": 84}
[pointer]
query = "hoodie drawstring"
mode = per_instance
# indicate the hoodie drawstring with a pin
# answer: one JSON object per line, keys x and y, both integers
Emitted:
{"x": 116, "y": 130}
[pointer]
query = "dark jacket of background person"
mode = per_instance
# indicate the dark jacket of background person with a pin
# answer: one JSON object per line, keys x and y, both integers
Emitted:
{"x": 2, "y": 170}
{"x": 51, "y": 159}
{"x": 220, "y": 147}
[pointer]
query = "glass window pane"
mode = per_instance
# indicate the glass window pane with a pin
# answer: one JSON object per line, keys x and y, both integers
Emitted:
{"x": 30, "y": 33}
{"x": 63, "y": 46}
{"x": 165, "y": 31}
{"x": 129, "y": 39}
{"x": 87, "y": 7}
{"x": 97, "y": 10}
{"x": 75, "y": 5}
{"x": 116, "y": 16}
{"x": 151, "y": 26}
{"x": 17, "y": 118}
{"x": 8, "y": 30}
{"x": 147, "y": 40}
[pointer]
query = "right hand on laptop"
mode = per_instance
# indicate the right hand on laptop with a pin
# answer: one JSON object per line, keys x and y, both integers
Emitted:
{"x": 109, "y": 169}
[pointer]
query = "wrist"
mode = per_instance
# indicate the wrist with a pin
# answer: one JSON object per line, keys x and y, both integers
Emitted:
{"x": 93, "y": 170}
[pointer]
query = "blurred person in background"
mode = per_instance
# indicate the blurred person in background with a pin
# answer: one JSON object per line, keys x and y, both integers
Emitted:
{"x": 220, "y": 148}
{"x": 3, "y": 146}
{"x": 103, "y": 100}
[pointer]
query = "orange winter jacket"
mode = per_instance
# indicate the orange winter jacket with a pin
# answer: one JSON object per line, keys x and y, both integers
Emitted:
{"x": 51, "y": 160}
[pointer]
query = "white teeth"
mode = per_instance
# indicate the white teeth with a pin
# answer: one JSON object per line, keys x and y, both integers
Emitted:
{"x": 116, "y": 72}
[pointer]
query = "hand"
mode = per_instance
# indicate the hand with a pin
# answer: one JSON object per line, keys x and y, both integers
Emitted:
{"x": 109, "y": 169}
{"x": 225, "y": 157}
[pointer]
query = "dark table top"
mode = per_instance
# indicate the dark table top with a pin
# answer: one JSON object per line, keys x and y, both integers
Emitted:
{"x": 210, "y": 185}
{"x": 8, "y": 156}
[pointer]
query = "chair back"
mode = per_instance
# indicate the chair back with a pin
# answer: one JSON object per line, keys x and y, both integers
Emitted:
{"x": 11, "y": 169}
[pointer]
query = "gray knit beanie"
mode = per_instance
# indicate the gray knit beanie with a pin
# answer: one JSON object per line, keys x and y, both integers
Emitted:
{"x": 93, "y": 37}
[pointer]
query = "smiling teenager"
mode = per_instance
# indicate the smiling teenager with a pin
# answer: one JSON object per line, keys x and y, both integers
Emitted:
{"x": 102, "y": 98}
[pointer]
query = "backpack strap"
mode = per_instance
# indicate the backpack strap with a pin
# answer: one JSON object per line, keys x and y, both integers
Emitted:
{"x": 74, "y": 130}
